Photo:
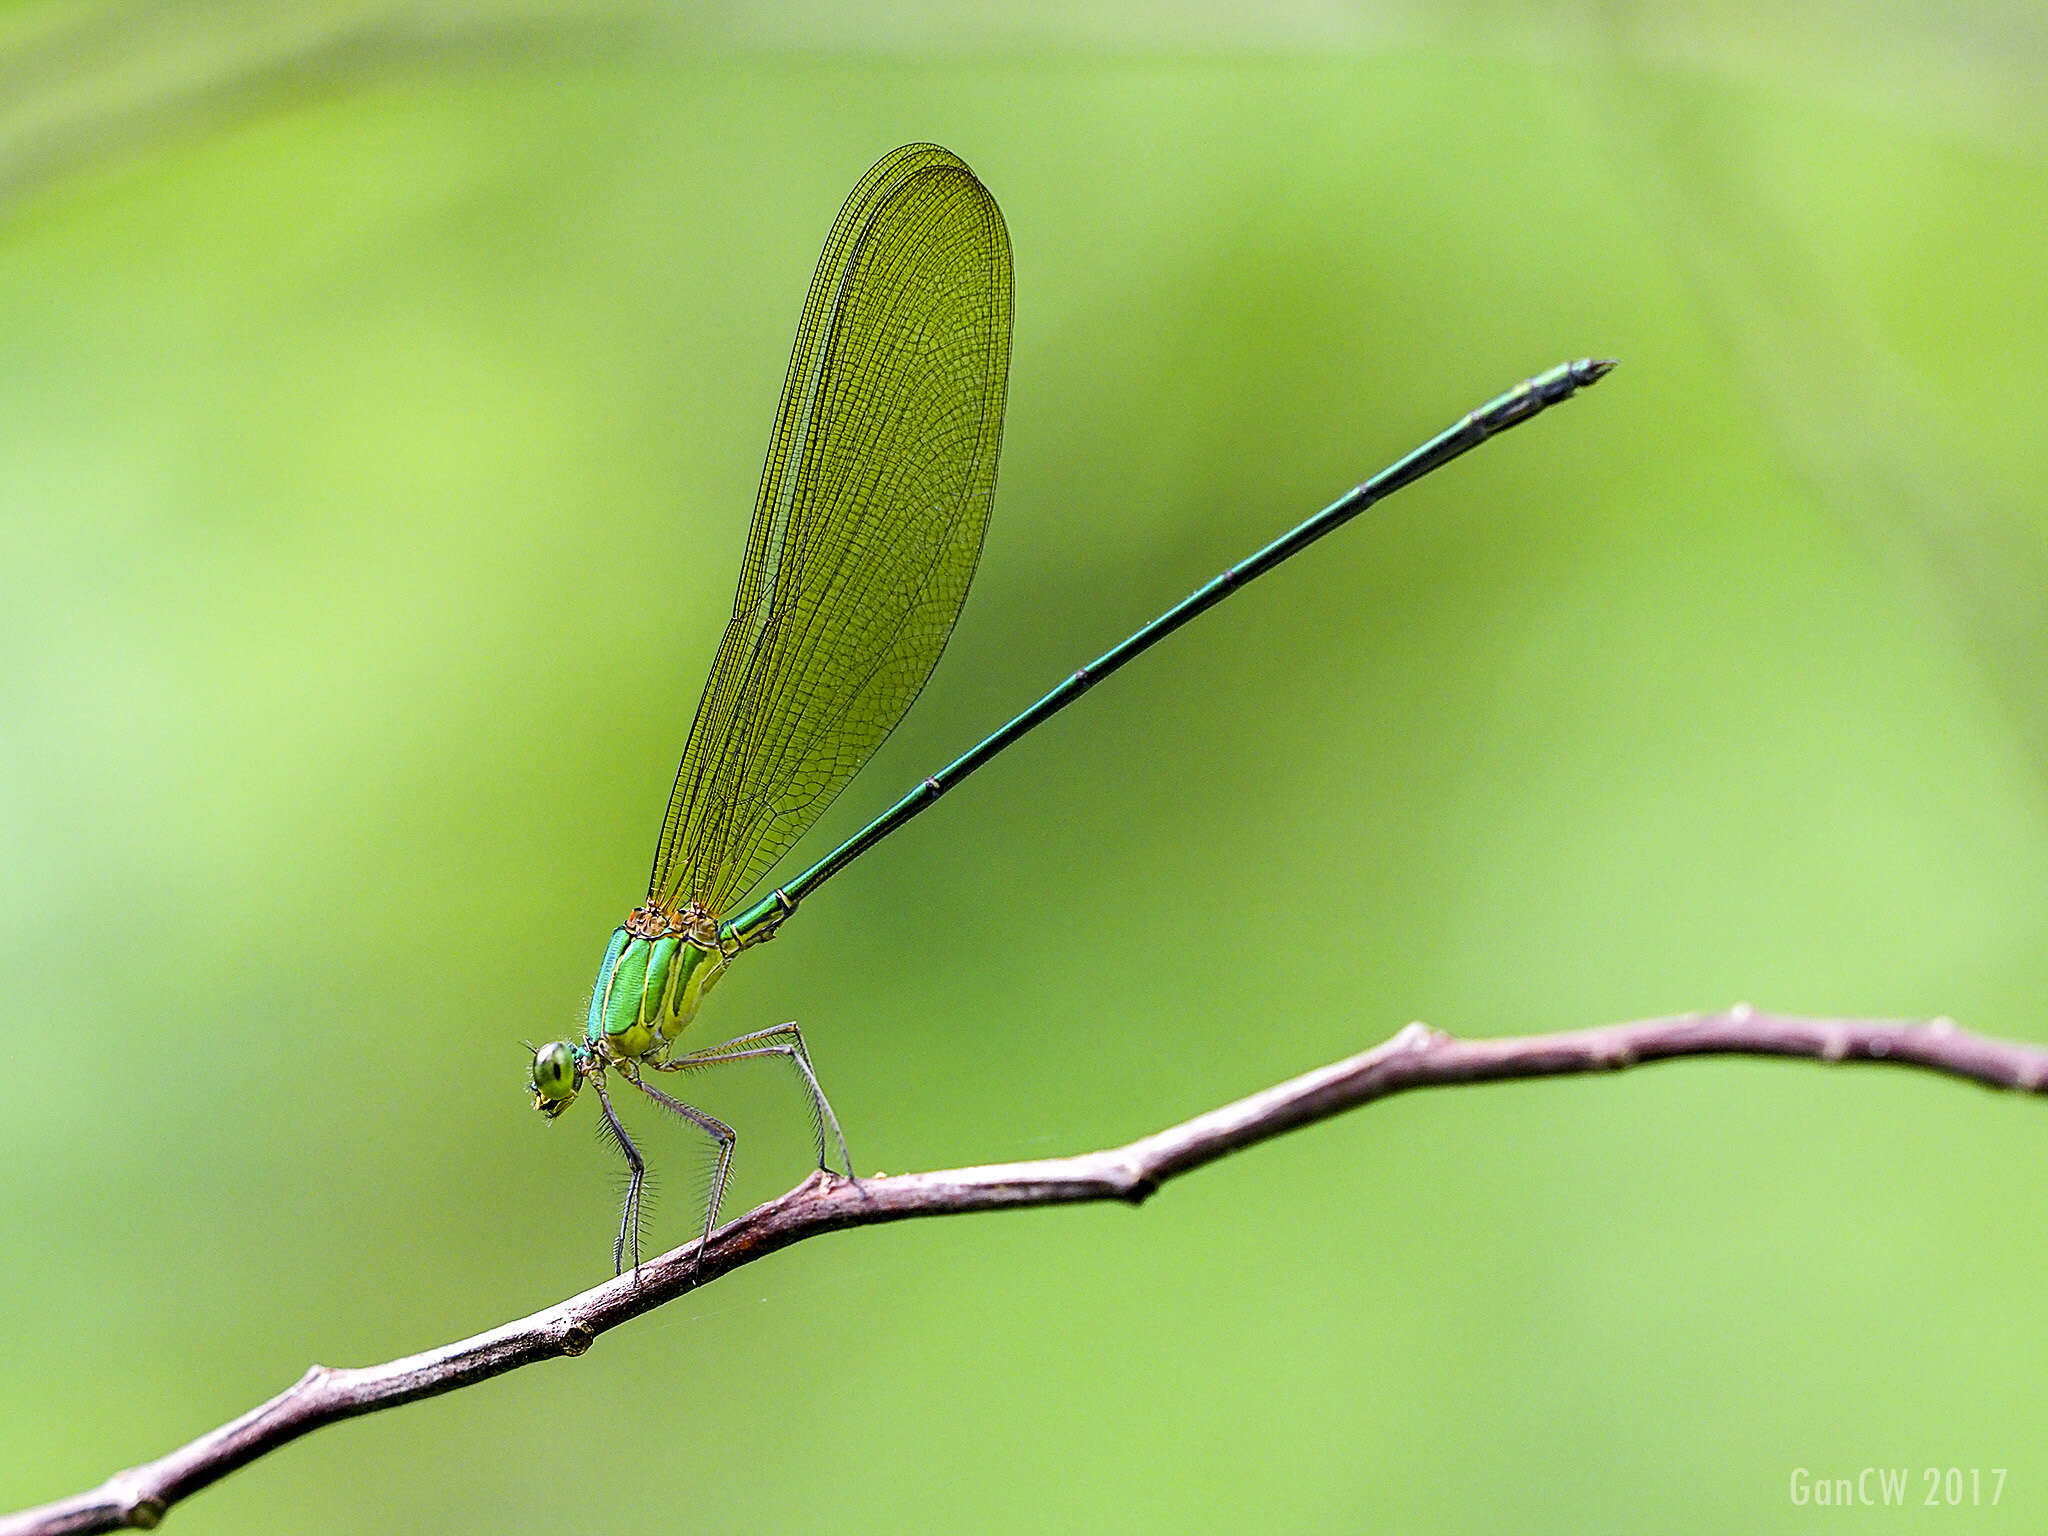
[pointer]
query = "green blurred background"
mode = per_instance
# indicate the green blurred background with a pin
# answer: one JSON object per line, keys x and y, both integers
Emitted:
{"x": 382, "y": 392}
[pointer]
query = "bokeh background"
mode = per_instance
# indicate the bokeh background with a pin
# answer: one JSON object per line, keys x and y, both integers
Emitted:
{"x": 382, "y": 391}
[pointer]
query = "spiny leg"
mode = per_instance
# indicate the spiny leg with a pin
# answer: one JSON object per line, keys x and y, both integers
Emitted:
{"x": 719, "y": 1132}
{"x": 792, "y": 1048}
{"x": 629, "y": 1218}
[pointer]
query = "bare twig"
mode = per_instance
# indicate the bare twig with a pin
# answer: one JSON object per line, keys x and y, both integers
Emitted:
{"x": 1417, "y": 1057}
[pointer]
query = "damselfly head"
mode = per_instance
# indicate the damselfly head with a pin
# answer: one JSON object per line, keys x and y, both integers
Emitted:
{"x": 557, "y": 1075}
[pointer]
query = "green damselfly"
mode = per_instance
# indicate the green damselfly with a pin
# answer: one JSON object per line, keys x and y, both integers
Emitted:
{"x": 867, "y": 528}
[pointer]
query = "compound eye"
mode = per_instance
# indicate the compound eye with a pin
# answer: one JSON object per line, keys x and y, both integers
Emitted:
{"x": 554, "y": 1073}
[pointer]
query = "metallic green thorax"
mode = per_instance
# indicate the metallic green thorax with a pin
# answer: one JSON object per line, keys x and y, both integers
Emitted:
{"x": 647, "y": 991}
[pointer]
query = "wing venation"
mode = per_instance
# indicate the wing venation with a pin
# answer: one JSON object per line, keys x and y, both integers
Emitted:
{"x": 867, "y": 528}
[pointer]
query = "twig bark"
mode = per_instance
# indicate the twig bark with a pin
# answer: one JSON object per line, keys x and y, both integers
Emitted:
{"x": 1417, "y": 1057}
